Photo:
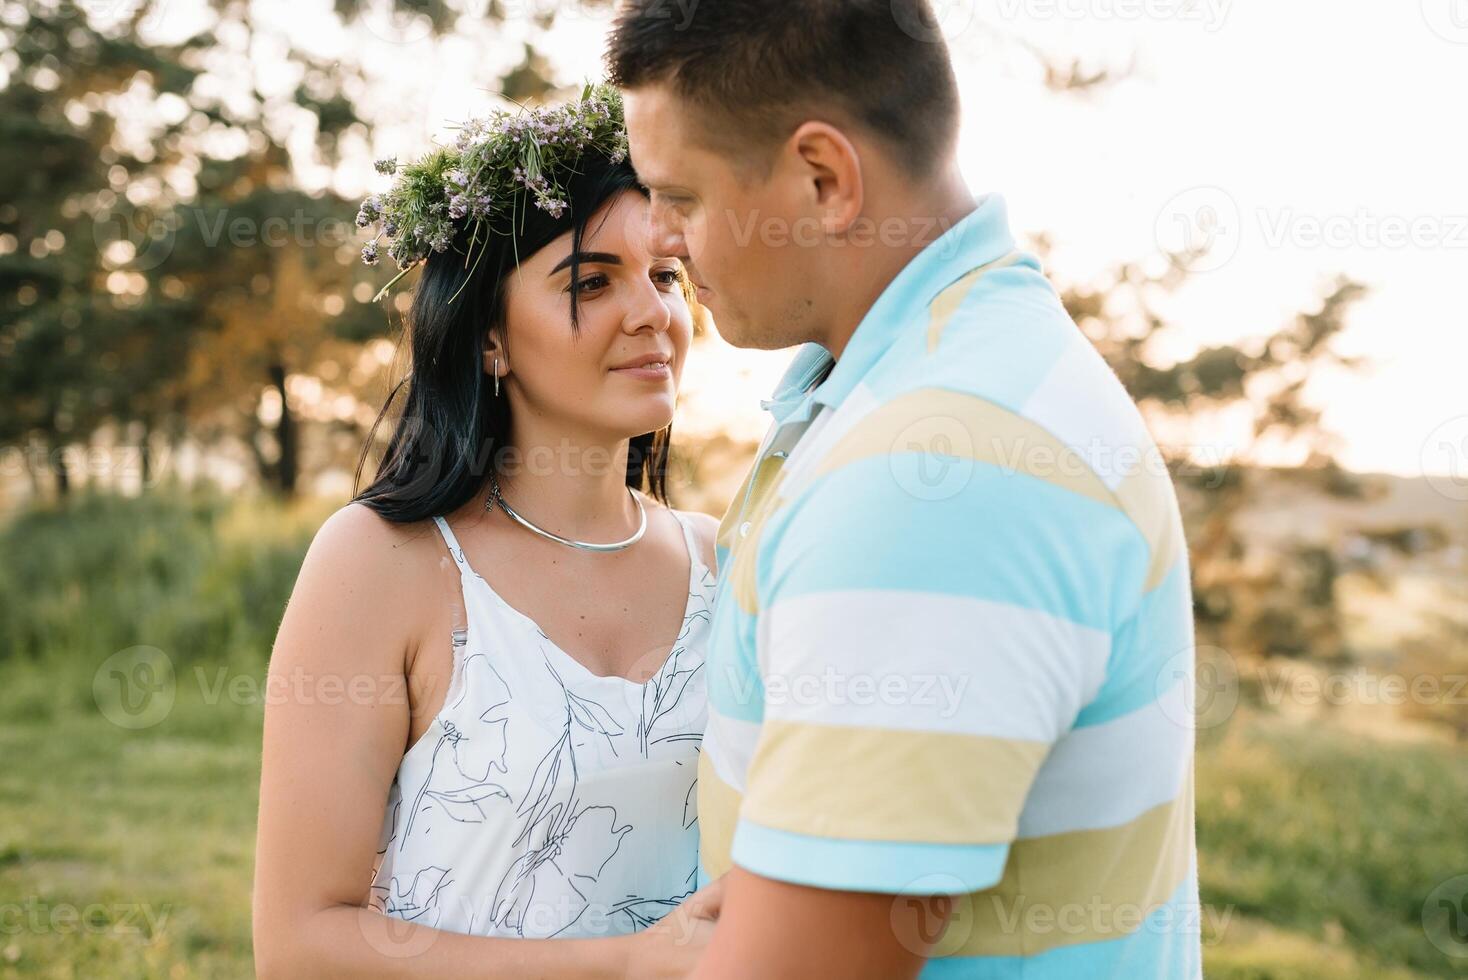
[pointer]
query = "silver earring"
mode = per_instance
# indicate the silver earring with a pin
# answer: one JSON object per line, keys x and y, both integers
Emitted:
{"x": 496, "y": 377}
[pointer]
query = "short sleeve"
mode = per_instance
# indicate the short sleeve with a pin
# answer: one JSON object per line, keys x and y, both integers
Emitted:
{"x": 924, "y": 639}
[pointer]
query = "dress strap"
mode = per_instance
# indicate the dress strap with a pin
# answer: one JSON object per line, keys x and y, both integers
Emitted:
{"x": 694, "y": 554}
{"x": 455, "y": 550}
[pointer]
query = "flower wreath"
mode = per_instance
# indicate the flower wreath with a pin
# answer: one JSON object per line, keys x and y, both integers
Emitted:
{"x": 486, "y": 178}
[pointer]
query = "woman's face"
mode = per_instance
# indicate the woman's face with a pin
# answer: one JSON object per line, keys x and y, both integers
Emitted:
{"x": 617, "y": 377}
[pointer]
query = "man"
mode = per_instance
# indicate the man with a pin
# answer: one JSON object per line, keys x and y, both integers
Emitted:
{"x": 950, "y": 670}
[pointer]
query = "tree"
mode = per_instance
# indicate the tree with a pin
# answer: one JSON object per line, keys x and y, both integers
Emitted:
{"x": 162, "y": 271}
{"x": 1244, "y": 600}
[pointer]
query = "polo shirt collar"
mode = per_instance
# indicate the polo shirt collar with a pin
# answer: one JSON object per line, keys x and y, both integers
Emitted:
{"x": 793, "y": 388}
{"x": 979, "y": 237}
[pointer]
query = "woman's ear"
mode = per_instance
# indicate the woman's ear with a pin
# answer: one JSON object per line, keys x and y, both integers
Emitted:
{"x": 496, "y": 358}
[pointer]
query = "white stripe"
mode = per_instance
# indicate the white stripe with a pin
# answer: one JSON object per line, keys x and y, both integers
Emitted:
{"x": 928, "y": 662}
{"x": 825, "y": 431}
{"x": 730, "y": 744}
{"x": 1083, "y": 404}
{"x": 1106, "y": 775}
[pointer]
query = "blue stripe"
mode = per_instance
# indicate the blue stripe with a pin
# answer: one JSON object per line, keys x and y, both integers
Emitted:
{"x": 976, "y": 239}
{"x": 997, "y": 535}
{"x": 1142, "y": 649}
{"x": 1012, "y": 318}
{"x": 877, "y": 866}
{"x": 1168, "y": 944}
{"x": 735, "y": 687}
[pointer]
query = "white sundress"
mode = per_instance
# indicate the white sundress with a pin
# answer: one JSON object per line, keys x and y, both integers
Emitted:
{"x": 544, "y": 800}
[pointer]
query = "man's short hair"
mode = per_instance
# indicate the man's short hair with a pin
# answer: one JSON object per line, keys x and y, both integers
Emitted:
{"x": 755, "y": 69}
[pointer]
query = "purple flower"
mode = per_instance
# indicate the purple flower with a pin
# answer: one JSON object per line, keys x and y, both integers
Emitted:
{"x": 370, "y": 211}
{"x": 550, "y": 205}
{"x": 369, "y": 253}
{"x": 387, "y": 167}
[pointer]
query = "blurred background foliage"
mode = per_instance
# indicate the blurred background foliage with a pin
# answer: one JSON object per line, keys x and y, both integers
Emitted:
{"x": 189, "y": 363}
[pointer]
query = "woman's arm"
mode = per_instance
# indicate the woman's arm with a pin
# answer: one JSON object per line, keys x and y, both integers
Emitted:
{"x": 336, "y": 727}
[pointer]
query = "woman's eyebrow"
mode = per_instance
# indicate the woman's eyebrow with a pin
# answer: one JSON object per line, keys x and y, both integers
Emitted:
{"x": 601, "y": 258}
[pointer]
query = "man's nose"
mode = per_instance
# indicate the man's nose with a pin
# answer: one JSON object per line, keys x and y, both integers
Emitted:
{"x": 666, "y": 233}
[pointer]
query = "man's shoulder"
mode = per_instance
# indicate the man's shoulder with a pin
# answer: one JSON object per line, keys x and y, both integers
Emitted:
{"x": 1010, "y": 418}
{"x": 1010, "y": 367}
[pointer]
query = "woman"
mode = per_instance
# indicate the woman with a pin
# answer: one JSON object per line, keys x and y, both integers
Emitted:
{"x": 490, "y": 673}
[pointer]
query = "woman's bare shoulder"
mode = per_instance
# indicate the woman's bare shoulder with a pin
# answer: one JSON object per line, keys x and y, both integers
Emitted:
{"x": 357, "y": 537}
{"x": 363, "y": 576}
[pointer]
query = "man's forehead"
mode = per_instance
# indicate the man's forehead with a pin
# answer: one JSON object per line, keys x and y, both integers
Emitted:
{"x": 653, "y": 130}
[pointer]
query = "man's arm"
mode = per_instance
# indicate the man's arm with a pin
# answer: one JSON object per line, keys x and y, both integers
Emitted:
{"x": 771, "y": 929}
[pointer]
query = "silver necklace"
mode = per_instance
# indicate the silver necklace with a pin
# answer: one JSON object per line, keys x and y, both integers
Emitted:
{"x": 496, "y": 497}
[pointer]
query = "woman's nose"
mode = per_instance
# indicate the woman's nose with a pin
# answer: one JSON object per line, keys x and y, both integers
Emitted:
{"x": 647, "y": 310}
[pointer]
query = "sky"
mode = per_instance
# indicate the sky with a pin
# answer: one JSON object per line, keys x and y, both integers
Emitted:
{"x": 1303, "y": 140}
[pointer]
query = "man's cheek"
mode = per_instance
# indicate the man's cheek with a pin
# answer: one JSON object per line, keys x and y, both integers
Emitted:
{"x": 700, "y": 244}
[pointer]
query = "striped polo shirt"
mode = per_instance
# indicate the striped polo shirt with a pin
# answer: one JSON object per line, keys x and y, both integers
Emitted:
{"x": 952, "y": 650}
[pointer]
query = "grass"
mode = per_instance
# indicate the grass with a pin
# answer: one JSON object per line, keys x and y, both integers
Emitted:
{"x": 1326, "y": 846}
{"x": 128, "y": 853}
{"x": 145, "y": 838}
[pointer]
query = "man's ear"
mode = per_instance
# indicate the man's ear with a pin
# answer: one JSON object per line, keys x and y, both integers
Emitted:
{"x": 831, "y": 167}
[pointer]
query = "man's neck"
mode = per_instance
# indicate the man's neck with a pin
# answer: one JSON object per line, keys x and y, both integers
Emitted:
{"x": 926, "y": 219}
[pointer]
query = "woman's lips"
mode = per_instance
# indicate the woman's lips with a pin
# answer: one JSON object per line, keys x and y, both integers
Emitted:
{"x": 646, "y": 372}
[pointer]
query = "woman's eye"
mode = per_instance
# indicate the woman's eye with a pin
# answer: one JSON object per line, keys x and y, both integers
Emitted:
{"x": 591, "y": 283}
{"x": 668, "y": 277}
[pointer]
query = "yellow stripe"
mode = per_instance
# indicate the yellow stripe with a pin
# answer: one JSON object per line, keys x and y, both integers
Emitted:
{"x": 729, "y": 523}
{"x": 954, "y": 423}
{"x": 718, "y": 813}
{"x": 745, "y": 549}
{"x": 1079, "y": 887}
{"x": 1147, "y": 498}
{"x": 941, "y": 310}
{"x": 881, "y": 784}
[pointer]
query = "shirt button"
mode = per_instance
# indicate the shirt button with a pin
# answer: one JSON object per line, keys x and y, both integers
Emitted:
{"x": 744, "y": 529}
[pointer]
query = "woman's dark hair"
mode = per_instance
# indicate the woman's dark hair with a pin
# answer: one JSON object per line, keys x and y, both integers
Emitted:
{"x": 453, "y": 429}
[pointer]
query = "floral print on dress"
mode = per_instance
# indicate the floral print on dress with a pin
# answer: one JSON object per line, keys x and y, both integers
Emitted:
{"x": 545, "y": 800}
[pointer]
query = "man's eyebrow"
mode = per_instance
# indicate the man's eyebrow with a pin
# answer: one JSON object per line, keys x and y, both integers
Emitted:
{"x": 602, "y": 258}
{"x": 668, "y": 190}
